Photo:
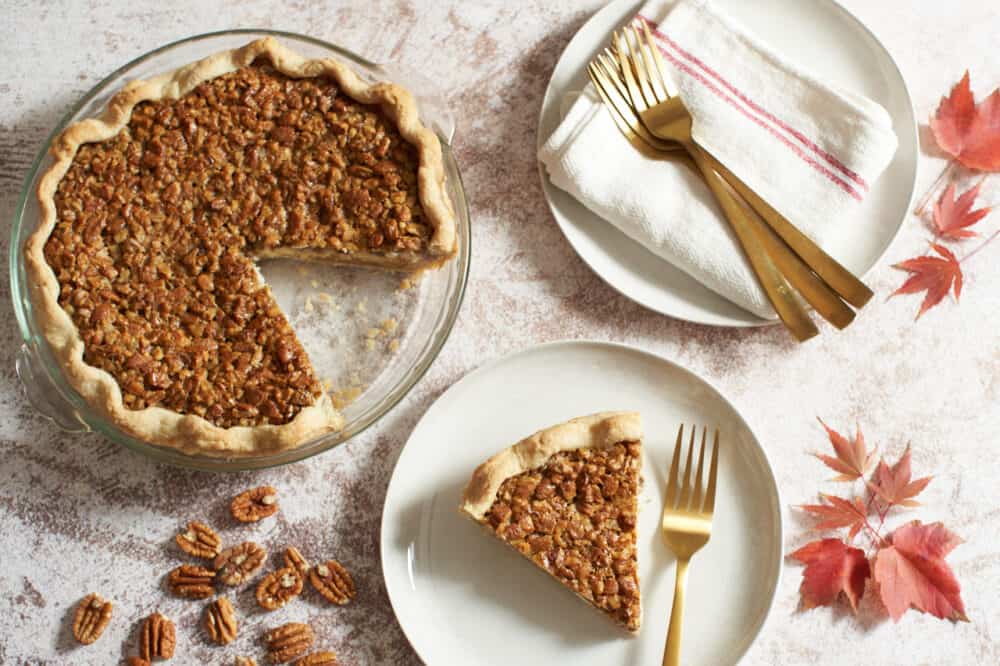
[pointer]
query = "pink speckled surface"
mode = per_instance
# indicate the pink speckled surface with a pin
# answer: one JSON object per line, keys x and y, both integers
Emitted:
{"x": 78, "y": 514}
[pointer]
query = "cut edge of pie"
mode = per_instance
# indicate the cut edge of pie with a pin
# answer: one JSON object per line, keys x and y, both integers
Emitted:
{"x": 603, "y": 430}
{"x": 189, "y": 432}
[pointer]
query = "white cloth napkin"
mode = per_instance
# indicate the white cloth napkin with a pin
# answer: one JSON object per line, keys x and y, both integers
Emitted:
{"x": 809, "y": 148}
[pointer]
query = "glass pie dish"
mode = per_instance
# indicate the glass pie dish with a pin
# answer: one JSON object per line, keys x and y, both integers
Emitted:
{"x": 370, "y": 334}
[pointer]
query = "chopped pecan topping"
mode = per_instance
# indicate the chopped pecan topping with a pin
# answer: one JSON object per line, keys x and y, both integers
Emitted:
{"x": 295, "y": 560}
{"x": 220, "y": 621}
{"x": 278, "y": 588}
{"x": 235, "y": 565}
{"x": 332, "y": 581}
{"x": 91, "y": 618}
{"x": 288, "y": 642}
{"x": 318, "y": 659}
{"x": 255, "y": 504}
{"x": 191, "y": 581}
{"x": 575, "y": 517}
{"x": 157, "y": 228}
{"x": 159, "y": 638}
{"x": 199, "y": 540}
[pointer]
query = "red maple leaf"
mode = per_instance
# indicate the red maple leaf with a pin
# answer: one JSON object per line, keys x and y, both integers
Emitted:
{"x": 832, "y": 567}
{"x": 967, "y": 132}
{"x": 935, "y": 275}
{"x": 912, "y": 572}
{"x": 893, "y": 485}
{"x": 839, "y": 512}
{"x": 952, "y": 216}
{"x": 853, "y": 458}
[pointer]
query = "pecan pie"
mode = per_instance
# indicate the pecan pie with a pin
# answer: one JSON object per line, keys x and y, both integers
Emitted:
{"x": 567, "y": 499}
{"x": 142, "y": 269}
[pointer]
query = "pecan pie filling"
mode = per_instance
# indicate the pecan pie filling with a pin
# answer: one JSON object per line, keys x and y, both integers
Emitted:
{"x": 157, "y": 229}
{"x": 575, "y": 517}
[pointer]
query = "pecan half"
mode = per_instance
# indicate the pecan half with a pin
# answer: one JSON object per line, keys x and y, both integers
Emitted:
{"x": 254, "y": 504}
{"x": 235, "y": 565}
{"x": 220, "y": 621}
{"x": 246, "y": 661}
{"x": 191, "y": 581}
{"x": 91, "y": 618}
{"x": 288, "y": 641}
{"x": 138, "y": 661}
{"x": 159, "y": 638}
{"x": 332, "y": 581}
{"x": 199, "y": 540}
{"x": 318, "y": 659}
{"x": 295, "y": 560}
{"x": 278, "y": 588}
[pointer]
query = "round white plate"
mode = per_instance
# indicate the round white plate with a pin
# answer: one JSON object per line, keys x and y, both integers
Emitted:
{"x": 463, "y": 597}
{"x": 824, "y": 38}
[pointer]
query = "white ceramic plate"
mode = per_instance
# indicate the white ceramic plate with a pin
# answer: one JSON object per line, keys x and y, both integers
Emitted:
{"x": 464, "y": 598}
{"x": 822, "y": 36}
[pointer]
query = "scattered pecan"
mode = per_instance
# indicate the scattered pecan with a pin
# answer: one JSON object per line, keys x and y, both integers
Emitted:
{"x": 199, "y": 540}
{"x": 295, "y": 560}
{"x": 159, "y": 638}
{"x": 332, "y": 581}
{"x": 220, "y": 621}
{"x": 254, "y": 504}
{"x": 138, "y": 661}
{"x": 90, "y": 619}
{"x": 288, "y": 641}
{"x": 191, "y": 581}
{"x": 317, "y": 659}
{"x": 278, "y": 588}
{"x": 235, "y": 565}
{"x": 246, "y": 661}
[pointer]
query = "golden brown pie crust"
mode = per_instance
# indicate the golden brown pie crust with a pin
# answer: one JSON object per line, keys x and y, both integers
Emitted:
{"x": 190, "y": 432}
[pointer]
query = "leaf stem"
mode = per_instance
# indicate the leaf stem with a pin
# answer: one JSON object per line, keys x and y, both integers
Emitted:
{"x": 981, "y": 246}
{"x": 934, "y": 188}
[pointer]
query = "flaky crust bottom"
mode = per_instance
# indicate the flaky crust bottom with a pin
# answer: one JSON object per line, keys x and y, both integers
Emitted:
{"x": 188, "y": 432}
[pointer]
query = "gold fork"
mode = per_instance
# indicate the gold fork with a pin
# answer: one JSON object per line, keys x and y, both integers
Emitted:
{"x": 654, "y": 96}
{"x": 748, "y": 230}
{"x": 687, "y": 527}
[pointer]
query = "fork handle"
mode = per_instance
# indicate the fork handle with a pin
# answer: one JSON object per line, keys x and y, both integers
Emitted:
{"x": 847, "y": 285}
{"x": 672, "y": 650}
{"x": 785, "y": 303}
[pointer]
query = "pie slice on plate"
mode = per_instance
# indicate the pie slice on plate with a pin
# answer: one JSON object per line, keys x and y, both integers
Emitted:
{"x": 567, "y": 499}
{"x": 142, "y": 270}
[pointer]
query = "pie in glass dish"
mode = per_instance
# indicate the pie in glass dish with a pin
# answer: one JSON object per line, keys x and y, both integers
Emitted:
{"x": 142, "y": 271}
{"x": 567, "y": 499}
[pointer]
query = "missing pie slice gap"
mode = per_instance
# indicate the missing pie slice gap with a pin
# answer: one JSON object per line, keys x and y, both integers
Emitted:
{"x": 567, "y": 499}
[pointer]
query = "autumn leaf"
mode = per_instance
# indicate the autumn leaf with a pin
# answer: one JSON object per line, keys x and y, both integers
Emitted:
{"x": 839, "y": 512}
{"x": 935, "y": 275}
{"x": 853, "y": 458}
{"x": 969, "y": 132}
{"x": 952, "y": 216}
{"x": 911, "y": 572}
{"x": 832, "y": 567}
{"x": 893, "y": 485}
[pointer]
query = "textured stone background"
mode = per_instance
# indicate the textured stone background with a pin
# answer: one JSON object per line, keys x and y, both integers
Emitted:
{"x": 78, "y": 514}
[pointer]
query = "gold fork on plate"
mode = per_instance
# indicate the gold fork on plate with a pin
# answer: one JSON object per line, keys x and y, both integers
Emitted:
{"x": 748, "y": 230}
{"x": 655, "y": 98}
{"x": 687, "y": 526}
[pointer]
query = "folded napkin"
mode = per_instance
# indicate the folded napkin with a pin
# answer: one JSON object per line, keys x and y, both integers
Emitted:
{"x": 809, "y": 148}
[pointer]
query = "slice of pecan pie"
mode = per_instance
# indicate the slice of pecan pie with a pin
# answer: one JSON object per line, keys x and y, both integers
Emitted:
{"x": 142, "y": 269}
{"x": 567, "y": 499}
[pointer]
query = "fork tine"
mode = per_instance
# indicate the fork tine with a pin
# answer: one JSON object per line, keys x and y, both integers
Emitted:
{"x": 638, "y": 64}
{"x": 654, "y": 76}
{"x": 696, "y": 499}
{"x": 613, "y": 73}
{"x": 674, "y": 464}
{"x": 635, "y": 95}
{"x": 712, "y": 473}
{"x": 682, "y": 504}
{"x": 612, "y": 90}
{"x": 661, "y": 68}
